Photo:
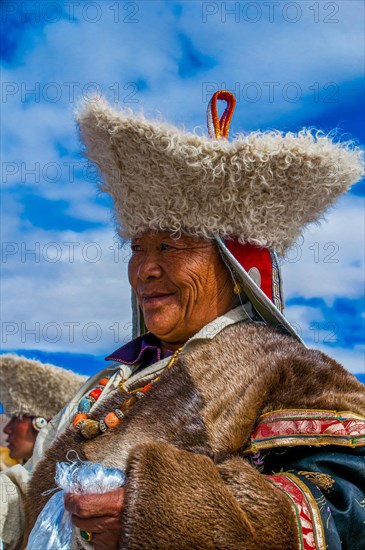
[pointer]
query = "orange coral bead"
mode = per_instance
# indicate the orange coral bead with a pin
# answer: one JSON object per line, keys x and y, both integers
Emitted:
{"x": 103, "y": 382}
{"x": 78, "y": 419}
{"x": 111, "y": 420}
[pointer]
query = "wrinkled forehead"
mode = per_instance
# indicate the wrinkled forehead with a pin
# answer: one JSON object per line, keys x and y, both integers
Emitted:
{"x": 156, "y": 237}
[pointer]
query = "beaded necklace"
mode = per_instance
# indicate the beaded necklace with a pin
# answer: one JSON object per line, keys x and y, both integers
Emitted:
{"x": 90, "y": 428}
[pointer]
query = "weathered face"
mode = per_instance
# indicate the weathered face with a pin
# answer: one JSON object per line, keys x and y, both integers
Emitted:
{"x": 21, "y": 437}
{"x": 181, "y": 284}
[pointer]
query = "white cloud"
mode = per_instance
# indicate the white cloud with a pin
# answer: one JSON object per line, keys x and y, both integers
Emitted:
{"x": 64, "y": 291}
{"x": 329, "y": 261}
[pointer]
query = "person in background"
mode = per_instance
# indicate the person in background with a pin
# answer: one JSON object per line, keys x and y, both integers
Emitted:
{"x": 31, "y": 394}
{"x": 21, "y": 437}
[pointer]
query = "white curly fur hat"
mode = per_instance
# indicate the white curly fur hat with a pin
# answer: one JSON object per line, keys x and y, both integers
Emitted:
{"x": 35, "y": 389}
{"x": 262, "y": 188}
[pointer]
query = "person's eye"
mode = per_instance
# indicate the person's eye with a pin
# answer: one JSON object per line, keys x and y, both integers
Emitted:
{"x": 136, "y": 248}
{"x": 166, "y": 246}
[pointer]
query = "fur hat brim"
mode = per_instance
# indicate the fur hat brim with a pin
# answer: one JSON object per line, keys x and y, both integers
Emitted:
{"x": 28, "y": 387}
{"x": 261, "y": 188}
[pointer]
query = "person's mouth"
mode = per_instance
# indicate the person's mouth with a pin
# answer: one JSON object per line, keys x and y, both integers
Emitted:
{"x": 155, "y": 298}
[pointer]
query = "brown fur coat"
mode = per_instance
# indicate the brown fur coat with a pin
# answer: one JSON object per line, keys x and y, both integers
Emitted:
{"x": 188, "y": 487}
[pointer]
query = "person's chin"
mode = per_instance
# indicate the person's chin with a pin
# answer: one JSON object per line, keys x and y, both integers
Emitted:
{"x": 13, "y": 453}
{"x": 159, "y": 321}
{"x": 160, "y": 306}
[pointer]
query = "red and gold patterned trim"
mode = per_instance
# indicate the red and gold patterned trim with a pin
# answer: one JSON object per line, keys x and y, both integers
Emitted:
{"x": 288, "y": 428}
{"x": 310, "y": 526}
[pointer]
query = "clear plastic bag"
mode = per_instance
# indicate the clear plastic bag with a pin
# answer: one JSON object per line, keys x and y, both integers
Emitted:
{"x": 53, "y": 528}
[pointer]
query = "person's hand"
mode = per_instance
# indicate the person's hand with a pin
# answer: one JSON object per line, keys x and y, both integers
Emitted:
{"x": 99, "y": 514}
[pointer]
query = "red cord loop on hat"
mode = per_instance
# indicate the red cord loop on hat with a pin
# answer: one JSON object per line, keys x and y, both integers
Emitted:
{"x": 219, "y": 127}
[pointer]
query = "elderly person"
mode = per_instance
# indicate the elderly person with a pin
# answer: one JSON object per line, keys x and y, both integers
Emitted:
{"x": 231, "y": 432}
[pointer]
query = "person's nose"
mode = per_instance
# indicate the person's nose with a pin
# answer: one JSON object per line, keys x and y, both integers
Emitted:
{"x": 8, "y": 428}
{"x": 149, "y": 267}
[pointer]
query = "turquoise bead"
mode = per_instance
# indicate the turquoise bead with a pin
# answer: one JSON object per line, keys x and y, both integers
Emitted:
{"x": 84, "y": 405}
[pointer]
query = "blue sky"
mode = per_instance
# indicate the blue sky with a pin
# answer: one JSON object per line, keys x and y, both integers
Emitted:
{"x": 65, "y": 295}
